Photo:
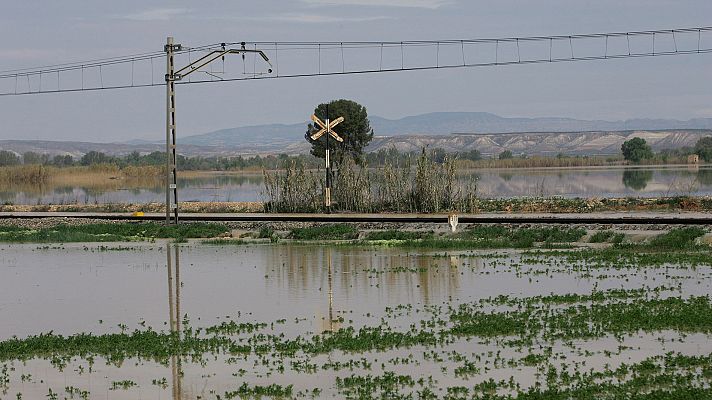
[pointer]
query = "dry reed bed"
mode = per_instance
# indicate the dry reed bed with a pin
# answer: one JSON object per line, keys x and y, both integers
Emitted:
{"x": 426, "y": 186}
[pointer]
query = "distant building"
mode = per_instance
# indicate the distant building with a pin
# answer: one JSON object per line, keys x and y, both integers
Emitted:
{"x": 693, "y": 159}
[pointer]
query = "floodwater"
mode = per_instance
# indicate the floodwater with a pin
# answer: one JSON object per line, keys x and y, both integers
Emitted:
{"x": 300, "y": 290}
{"x": 491, "y": 183}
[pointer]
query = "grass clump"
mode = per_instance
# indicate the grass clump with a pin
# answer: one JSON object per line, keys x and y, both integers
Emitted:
{"x": 499, "y": 237}
{"x": 398, "y": 235}
{"x": 677, "y": 239}
{"x": 325, "y": 232}
{"x": 257, "y": 391}
{"x": 222, "y": 242}
{"x": 109, "y": 232}
{"x": 265, "y": 232}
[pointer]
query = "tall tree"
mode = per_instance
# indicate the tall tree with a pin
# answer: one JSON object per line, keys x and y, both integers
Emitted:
{"x": 30, "y": 157}
{"x": 703, "y": 148}
{"x": 355, "y": 130}
{"x": 8, "y": 158}
{"x": 636, "y": 149}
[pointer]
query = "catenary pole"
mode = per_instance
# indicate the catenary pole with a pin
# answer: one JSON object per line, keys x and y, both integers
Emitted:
{"x": 171, "y": 167}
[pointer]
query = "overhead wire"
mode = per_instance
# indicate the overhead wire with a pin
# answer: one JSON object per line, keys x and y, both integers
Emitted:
{"x": 299, "y": 46}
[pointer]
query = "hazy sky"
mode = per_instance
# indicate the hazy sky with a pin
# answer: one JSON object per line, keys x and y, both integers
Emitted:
{"x": 35, "y": 33}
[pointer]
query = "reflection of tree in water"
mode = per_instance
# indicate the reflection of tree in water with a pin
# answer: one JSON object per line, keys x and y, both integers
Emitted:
{"x": 506, "y": 176}
{"x": 704, "y": 177}
{"x": 637, "y": 179}
{"x": 63, "y": 190}
{"x": 306, "y": 268}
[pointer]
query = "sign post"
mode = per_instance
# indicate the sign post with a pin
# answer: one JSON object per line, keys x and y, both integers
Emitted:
{"x": 326, "y": 127}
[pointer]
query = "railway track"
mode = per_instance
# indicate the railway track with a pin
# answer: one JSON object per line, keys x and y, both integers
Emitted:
{"x": 613, "y": 218}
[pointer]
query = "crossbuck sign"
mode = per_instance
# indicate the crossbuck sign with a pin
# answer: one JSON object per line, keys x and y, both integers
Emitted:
{"x": 326, "y": 128}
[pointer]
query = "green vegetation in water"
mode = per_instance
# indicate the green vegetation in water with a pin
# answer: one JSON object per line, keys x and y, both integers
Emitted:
{"x": 495, "y": 237}
{"x": 553, "y": 317}
{"x": 537, "y": 322}
{"x": 257, "y": 391}
{"x": 325, "y": 232}
{"x": 677, "y": 239}
{"x": 398, "y": 235}
{"x": 223, "y": 242}
{"x": 110, "y": 232}
{"x": 123, "y": 385}
{"x": 607, "y": 237}
{"x": 267, "y": 232}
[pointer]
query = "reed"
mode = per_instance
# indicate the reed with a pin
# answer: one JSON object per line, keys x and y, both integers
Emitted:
{"x": 427, "y": 186}
{"x": 293, "y": 189}
{"x": 25, "y": 174}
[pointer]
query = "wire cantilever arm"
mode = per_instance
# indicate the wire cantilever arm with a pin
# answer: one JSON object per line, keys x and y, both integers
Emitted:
{"x": 212, "y": 56}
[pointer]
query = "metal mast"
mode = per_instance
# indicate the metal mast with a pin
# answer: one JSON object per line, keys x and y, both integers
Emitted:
{"x": 173, "y": 75}
{"x": 171, "y": 165}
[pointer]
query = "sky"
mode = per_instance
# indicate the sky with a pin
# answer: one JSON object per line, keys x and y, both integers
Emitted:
{"x": 36, "y": 33}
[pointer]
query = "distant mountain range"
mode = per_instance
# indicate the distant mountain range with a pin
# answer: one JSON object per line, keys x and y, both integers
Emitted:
{"x": 453, "y": 131}
{"x": 545, "y": 143}
{"x": 438, "y": 123}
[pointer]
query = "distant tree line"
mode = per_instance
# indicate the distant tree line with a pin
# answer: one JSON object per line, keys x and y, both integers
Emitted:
{"x": 635, "y": 150}
{"x": 156, "y": 158}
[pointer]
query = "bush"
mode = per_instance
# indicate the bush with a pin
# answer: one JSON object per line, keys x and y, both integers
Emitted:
{"x": 677, "y": 239}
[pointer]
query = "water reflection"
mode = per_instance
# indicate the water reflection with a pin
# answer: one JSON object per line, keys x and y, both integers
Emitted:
{"x": 637, "y": 179}
{"x": 344, "y": 274}
{"x": 332, "y": 324}
{"x": 704, "y": 177}
{"x": 174, "y": 286}
{"x": 491, "y": 183}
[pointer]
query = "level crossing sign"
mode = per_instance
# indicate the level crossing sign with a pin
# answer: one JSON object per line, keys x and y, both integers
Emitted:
{"x": 326, "y": 127}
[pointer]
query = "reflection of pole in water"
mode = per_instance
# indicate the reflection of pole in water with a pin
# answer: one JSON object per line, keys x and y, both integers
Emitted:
{"x": 331, "y": 324}
{"x": 331, "y": 292}
{"x": 174, "y": 309}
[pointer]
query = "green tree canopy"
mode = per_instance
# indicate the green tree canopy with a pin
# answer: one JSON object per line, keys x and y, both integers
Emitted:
{"x": 505, "y": 155}
{"x": 355, "y": 130}
{"x": 30, "y": 157}
{"x": 8, "y": 158}
{"x": 636, "y": 149}
{"x": 63, "y": 160}
{"x": 703, "y": 148}
{"x": 95, "y": 157}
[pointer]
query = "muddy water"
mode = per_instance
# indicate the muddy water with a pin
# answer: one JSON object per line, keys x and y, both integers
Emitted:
{"x": 84, "y": 288}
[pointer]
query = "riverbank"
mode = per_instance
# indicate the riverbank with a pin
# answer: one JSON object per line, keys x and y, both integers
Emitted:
{"x": 425, "y": 235}
{"x": 512, "y": 205}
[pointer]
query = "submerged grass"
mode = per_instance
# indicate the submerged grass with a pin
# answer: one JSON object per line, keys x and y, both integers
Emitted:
{"x": 553, "y": 317}
{"x": 677, "y": 239}
{"x": 110, "y": 232}
{"x": 485, "y": 237}
{"x": 325, "y": 232}
{"x": 606, "y": 237}
{"x": 398, "y": 235}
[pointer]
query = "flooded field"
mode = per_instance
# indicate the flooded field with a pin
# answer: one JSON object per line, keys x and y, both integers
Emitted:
{"x": 491, "y": 183}
{"x": 193, "y": 321}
